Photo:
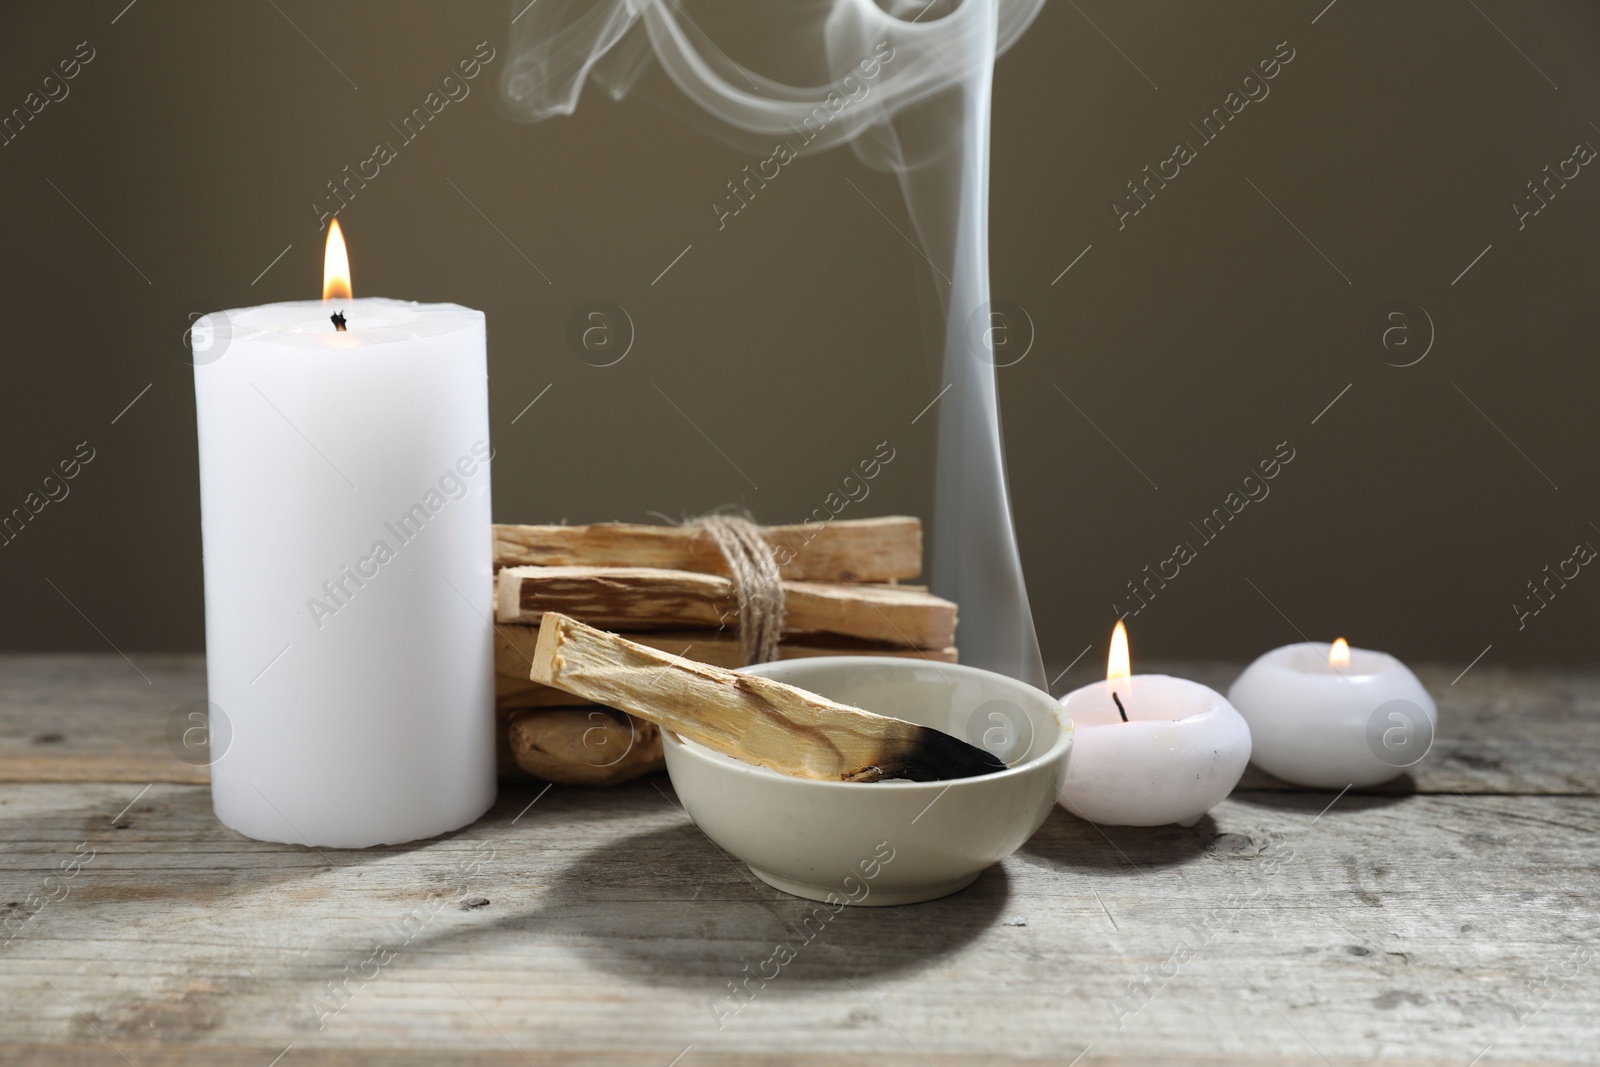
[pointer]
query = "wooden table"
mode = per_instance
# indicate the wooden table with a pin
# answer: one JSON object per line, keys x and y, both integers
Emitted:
{"x": 1450, "y": 916}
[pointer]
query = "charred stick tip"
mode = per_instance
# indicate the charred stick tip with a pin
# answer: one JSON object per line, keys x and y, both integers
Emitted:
{"x": 932, "y": 756}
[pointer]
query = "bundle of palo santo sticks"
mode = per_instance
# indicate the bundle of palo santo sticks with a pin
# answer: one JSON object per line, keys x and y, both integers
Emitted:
{"x": 671, "y": 588}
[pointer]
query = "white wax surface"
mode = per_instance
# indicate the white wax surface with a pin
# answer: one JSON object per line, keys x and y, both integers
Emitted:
{"x": 368, "y": 720}
{"x": 1180, "y": 753}
{"x": 1331, "y": 727}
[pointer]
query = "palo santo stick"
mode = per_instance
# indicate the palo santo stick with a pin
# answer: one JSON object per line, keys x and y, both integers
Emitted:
{"x": 584, "y": 746}
{"x": 850, "y": 550}
{"x": 645, "y": 598}
{"x": 519, "y": 694}
{"x": 514, "y": 644}
{"x": 513, "y": 655}
{"x": 505, "y": 763}
{"x": 750, "y": 718}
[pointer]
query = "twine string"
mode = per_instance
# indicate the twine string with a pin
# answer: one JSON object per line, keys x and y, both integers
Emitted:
{"x": 757, "y": 585}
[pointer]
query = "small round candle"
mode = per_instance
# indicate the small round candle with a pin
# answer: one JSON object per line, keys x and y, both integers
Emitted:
{"x": 1149, "y": 749}
{"x": 1332, "y": 716}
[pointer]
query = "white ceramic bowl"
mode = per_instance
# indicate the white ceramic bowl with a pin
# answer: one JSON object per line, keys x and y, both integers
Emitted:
{"x": 884, "y": 842}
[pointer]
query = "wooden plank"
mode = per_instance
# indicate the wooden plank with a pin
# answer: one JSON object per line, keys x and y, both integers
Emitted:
{"x": 209, "y": 1055}
{"x": 95, "y": 717}
{"x": 1501, "y": 731}
{"x": 588, "y": 927}
{"x": 643, "y": 598}
{"x": 850, "y": 550}
{"x": 584, "y": 927}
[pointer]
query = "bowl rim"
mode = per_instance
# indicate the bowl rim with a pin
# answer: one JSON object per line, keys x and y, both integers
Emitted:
{"x": 710, "y": 756}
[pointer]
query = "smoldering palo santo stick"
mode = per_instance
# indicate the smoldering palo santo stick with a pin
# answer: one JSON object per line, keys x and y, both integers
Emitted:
{"x": 754, "y": 719}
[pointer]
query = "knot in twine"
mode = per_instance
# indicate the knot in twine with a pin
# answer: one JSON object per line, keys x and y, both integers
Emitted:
{"x": 756, "y": 584}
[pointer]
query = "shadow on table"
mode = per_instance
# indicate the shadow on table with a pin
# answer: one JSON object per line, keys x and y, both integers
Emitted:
{"x": 663, "y": 906}
{"x": 157, "y": 859}
{"x": 1068, "y": 841}
{"x": 1264, "y": 791}
{"x": 669, "y": 906}
{"x": 164, "y": 817}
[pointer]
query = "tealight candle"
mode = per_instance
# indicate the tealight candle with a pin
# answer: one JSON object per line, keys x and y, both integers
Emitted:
{"x": 344, "y": 492}
{"x": 1332, "y": 716}
{"x": 1149, "y": 749}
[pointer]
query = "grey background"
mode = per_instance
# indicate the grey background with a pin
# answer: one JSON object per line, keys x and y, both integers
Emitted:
{"x": 1196, "y": 339}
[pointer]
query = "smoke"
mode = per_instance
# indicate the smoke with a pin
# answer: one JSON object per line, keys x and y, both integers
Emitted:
{"x": 905, "y": 83}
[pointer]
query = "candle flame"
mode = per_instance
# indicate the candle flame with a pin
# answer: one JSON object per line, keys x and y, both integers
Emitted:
{"x": 1118, "y": 664}
{"x": 1339, "y": 653}
{"x": 335, "y": 265}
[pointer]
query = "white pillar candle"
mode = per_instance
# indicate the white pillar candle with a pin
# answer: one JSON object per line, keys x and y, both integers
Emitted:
{"x": 344, "y": 481}
{"x": 1171, "y": 751}
{"x": 1332, "y": 716}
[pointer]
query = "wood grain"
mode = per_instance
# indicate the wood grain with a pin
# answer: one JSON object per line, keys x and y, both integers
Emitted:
{"x": 1424, "y": 929}
{"x": 91, "y": 717}
{"x": 850, "y": 550}
{"x": 643, "y": 598}
{"x": 603, "y": 927}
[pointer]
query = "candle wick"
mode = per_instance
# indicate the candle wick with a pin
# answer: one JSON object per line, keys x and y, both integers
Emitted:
{"x": 338, "y": 320}
{"x": 1118, "y": 702}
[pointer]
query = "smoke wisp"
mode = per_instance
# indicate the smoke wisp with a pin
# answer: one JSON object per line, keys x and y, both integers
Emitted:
{"x": 906, "y": 84}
